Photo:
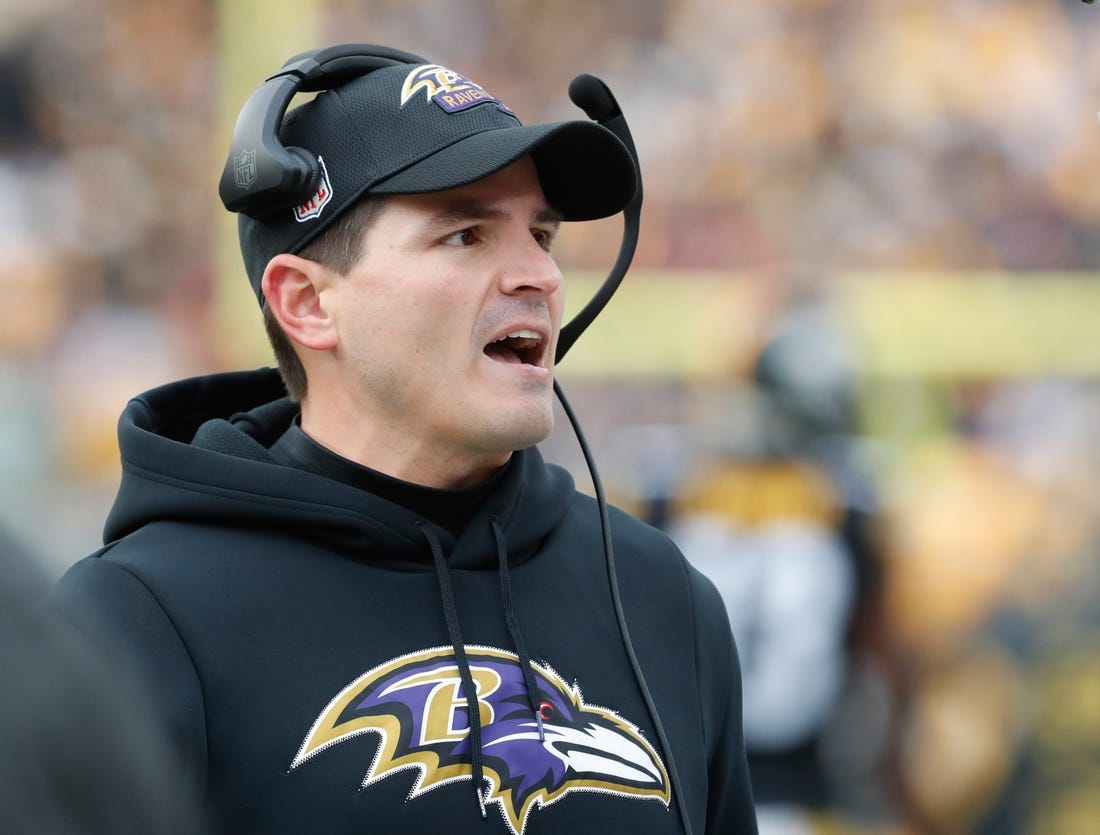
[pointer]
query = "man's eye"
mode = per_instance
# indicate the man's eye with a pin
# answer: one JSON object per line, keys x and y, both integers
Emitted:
{"x": 464, "y": 237}
{"x": 545, "y": 239}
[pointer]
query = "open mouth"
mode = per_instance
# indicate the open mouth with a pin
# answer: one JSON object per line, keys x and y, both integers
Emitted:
{"x": 520, "y": 346}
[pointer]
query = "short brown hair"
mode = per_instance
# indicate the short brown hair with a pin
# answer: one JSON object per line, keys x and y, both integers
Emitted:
{"x": 338, "y": 248}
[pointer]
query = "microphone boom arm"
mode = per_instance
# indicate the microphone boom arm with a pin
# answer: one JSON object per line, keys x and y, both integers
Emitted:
{"x": 593, "y": 96}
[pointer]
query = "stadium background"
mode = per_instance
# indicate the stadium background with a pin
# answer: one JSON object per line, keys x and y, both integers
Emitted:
{"x": 920, "y": 176}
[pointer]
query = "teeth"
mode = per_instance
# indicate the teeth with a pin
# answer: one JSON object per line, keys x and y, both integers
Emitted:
{"x": 522, "y": 333}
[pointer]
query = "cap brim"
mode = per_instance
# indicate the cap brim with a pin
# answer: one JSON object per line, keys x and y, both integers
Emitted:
{"x": 585, "y": 170}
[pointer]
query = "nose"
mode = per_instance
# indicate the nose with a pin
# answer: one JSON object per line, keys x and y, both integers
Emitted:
{"x": 530, "y": 270}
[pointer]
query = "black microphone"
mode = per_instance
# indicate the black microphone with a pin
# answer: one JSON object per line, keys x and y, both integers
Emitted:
{"x": 593, "y": 97}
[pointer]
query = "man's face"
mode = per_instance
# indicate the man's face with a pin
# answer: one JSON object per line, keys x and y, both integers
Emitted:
{"x": 449, "y": 321}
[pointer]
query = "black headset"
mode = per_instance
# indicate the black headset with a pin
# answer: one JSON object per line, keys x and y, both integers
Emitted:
{"x": 282, "y": 177}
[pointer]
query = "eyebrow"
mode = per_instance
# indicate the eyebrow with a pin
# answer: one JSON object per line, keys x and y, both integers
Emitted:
{"x": 475, "y": 212}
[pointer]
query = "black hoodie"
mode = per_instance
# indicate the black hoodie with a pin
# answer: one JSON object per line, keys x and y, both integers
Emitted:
{"x": 307, "y": 642}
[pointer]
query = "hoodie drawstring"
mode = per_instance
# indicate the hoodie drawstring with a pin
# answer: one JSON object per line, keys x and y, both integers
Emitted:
{"x": 450, "y": 614}
{"x": 513, "y": 624}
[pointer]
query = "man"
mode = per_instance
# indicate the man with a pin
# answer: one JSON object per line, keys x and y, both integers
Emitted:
{"x": 369, "y": 605}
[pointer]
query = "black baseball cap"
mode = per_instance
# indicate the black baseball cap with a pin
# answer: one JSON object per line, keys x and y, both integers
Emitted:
{"x": 419, "y": 128}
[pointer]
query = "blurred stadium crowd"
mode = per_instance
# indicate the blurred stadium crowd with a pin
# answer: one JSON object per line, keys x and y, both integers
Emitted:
{"x": 922, "y": 552}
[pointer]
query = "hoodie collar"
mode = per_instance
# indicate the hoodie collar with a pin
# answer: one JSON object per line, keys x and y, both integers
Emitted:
{"x": 199, "y": 451}
{"x": 448, "y": 508}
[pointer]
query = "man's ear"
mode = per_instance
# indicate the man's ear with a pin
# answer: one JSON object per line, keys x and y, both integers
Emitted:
{"x": 292, "y": 287}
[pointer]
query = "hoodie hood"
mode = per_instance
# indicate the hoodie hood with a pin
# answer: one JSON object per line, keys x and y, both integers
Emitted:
{"x": 196, "y": 451}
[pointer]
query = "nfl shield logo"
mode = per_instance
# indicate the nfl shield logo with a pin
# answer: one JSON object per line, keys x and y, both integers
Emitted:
{"x": 321, "y": 198}
{"x": 244, "y": 169}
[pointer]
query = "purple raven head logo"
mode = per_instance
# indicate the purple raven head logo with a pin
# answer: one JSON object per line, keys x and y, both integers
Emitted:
{"x": 450, "y": 90}
{"x": 417, "y": 707}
